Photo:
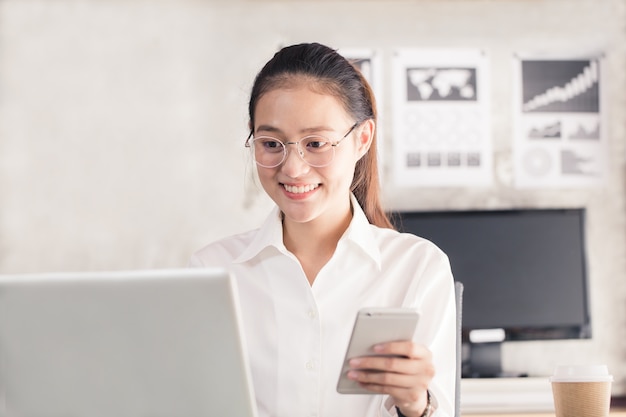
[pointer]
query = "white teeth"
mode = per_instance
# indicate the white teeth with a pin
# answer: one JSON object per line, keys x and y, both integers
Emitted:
{"x": 300, "y": 189}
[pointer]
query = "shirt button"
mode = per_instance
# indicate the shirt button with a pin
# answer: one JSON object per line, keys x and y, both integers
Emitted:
{"x": 310, "y": 365}
{"x": 312, "y": 314}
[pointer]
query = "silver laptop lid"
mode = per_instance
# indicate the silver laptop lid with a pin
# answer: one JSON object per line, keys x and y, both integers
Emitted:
{"x": 126, "y": 343}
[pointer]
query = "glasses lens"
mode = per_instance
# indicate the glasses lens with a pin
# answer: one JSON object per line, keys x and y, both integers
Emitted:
{"x": 268, "y": 152}
{"x": 317, "y": 151}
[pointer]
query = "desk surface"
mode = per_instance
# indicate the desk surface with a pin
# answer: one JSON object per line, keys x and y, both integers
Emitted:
{"x": 621, "y": 412}
{"x": 515, "y": 397}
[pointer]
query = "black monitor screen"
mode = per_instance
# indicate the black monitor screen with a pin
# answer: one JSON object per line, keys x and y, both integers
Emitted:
{"x": 523, "y": 270}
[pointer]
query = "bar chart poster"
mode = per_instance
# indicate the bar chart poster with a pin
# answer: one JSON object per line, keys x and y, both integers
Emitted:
{"x": 560, "y": 138}
{"x": 441, "y": 119}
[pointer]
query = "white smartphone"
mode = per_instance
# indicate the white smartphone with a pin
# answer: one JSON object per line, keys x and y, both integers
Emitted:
{"x": 373, "y": 326}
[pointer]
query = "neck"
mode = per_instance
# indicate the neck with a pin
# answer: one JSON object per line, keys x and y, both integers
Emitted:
{"x": 314, "y": 243}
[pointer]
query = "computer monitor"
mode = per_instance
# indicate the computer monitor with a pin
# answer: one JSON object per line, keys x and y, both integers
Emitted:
{"x": 524, "y": 273}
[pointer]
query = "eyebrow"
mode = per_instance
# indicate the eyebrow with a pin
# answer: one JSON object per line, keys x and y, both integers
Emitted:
{"x": 314, "y": 129}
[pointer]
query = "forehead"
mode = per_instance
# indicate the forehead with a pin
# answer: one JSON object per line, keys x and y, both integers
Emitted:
{"x": 295, "y": 80}
{"x": 290, "y": 81}
{"x": 300, "y": 105}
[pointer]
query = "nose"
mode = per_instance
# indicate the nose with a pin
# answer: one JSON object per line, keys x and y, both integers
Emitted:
{"x": 294, "y": 166}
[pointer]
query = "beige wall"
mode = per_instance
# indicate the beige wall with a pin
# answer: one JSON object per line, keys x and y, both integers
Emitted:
{"x": 122, "y": 124}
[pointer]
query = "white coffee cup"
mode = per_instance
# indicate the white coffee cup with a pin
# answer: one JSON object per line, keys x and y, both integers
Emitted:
{"x": 581, "y": 390}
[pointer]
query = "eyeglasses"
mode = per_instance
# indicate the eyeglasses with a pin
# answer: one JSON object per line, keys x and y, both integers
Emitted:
{"x": 316, "y": 150}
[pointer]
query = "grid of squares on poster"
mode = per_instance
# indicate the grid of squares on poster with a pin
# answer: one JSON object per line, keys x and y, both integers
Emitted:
{"x": 442, "y": 138}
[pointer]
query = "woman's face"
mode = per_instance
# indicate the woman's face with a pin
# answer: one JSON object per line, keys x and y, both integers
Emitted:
{"x": 305, "y": 193}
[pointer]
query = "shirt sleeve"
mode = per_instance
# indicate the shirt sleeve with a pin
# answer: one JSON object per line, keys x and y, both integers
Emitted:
{"x": 432, "y": 293}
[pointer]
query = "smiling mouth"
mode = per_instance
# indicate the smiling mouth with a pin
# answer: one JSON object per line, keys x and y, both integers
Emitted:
{"x": 300, "y": 189}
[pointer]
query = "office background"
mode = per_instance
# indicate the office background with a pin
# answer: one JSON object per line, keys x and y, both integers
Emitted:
{"x": 122, "y": 126}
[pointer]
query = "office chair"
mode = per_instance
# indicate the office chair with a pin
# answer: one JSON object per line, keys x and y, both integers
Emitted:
{"x": 458, "y": 294}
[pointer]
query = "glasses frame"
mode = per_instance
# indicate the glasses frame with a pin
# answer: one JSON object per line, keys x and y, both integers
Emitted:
{"x": 301, "y": 153}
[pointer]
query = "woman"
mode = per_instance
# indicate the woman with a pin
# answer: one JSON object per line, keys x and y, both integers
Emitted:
{"x": 328, "y": 249}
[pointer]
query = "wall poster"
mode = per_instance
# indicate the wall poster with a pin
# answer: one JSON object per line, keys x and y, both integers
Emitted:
{"x": 559, "y": 138}
{"x": 441, "y": 119}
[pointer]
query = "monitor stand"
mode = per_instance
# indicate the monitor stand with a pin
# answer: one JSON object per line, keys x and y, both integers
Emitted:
{"x": 484, "y": 360}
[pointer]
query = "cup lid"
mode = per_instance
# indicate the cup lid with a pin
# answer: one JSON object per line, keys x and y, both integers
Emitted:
{"x": 581, "y": 373}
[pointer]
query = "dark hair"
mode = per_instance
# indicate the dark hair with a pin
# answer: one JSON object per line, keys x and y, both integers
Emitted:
{"x": 331, "y": 73}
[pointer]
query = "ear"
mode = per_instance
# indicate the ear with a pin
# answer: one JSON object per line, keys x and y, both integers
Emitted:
{"x": 365, "y": 137}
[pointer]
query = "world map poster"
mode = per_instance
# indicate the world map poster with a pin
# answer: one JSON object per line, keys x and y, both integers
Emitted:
{"x": 441, "y": 121}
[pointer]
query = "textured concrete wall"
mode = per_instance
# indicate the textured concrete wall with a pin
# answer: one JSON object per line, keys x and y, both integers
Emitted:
{"x": 122, "y": 125}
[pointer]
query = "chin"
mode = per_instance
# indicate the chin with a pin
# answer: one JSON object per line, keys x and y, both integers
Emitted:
{"x": 298, "y": 217}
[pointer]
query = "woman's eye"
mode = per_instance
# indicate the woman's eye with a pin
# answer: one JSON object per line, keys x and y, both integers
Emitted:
{"x": 272, "y": 145}
{"x": 317, "y": 144}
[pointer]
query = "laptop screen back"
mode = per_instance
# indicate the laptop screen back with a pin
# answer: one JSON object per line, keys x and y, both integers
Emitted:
{"x": 127, "y": 343}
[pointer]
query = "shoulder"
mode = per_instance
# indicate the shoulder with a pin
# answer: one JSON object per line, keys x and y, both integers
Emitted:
{"x": 416, "y": 268}
{"x": 408, "y": 255}
{"x": 390, "y": 240}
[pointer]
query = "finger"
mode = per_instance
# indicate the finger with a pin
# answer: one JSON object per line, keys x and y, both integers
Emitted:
{"x": 407, "y": 392}
{"x": 388, "y": 364}
{"x": 403, "y": 348}
{"x": 400, "y": 395}
{"x": 386, "y": 379}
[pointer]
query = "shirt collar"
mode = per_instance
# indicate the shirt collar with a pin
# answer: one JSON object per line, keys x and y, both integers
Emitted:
{"x": 360, "y": 233}
{"x": 270, "y": 234}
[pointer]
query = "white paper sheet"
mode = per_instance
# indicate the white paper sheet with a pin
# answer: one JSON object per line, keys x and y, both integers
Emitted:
{"x": 441, "y": 119}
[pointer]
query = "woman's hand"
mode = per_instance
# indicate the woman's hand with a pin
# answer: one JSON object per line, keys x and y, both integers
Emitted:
{"x": 404, "y": 373}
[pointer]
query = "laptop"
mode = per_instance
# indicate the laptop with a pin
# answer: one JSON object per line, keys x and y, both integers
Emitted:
{"x": 125, "y": 343}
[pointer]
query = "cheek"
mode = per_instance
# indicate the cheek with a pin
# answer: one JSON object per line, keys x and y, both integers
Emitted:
{"x": 346, "y": 164}
{"x": 264, "y": 175}
{"x": 342, "y": 171}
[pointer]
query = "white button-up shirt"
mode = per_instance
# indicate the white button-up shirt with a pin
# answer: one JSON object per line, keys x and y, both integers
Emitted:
{"x": 297, "y": 334}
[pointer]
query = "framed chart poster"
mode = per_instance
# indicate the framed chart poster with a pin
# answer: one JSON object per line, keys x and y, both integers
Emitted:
{"x": 559, "y": 131}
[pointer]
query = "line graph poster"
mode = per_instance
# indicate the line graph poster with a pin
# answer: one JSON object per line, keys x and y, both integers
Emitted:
{"x": 559, "y": 135}
{"x": 441, "y": 118}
